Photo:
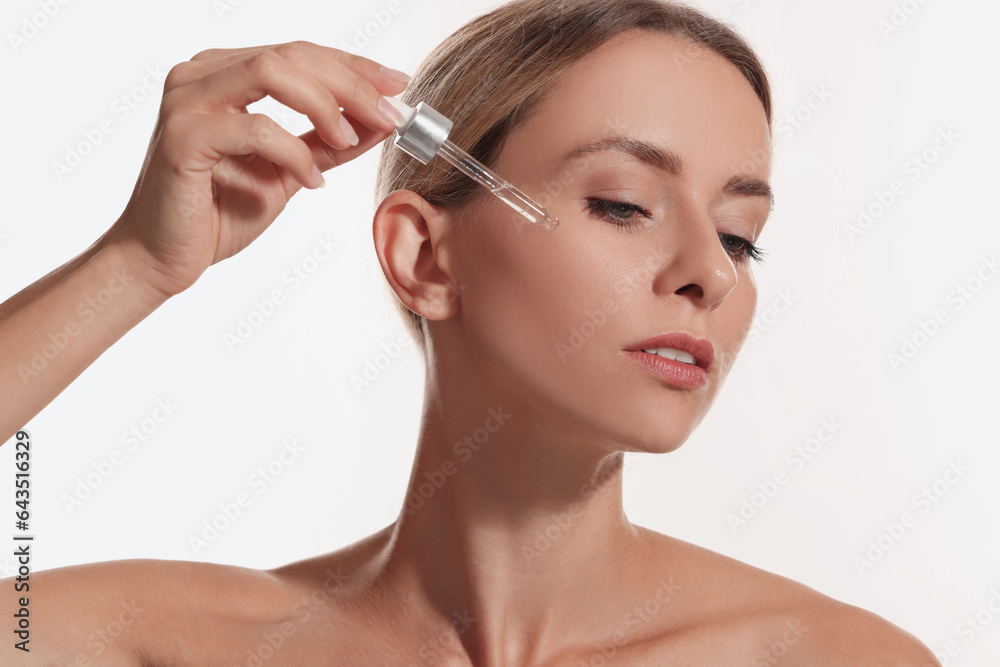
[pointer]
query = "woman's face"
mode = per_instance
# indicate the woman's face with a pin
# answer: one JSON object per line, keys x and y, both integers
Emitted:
{"x": 675, "y": 135}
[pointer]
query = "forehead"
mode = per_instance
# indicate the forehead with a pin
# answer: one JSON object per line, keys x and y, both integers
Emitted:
{"x": 661, "y": 89}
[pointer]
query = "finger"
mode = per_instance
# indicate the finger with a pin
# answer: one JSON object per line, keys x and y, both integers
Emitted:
{"x": 229, "y": 54}
{"x": 336, "y": 70}
{"x": 204, "y": 63}
{"x": 290, "y": 82}
{"x": 327, "y": 157}
{"x": 225, "y": 135}
{"x": 355, "y": 93}
{"x": 266, "y": 73}
{"x": 387, "y": 80}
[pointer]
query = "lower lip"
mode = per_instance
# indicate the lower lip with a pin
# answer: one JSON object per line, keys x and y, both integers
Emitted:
{"x": 674, "y": 372}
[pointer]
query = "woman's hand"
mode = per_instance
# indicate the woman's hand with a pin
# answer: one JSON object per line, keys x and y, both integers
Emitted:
{"x": 215, "y": 176}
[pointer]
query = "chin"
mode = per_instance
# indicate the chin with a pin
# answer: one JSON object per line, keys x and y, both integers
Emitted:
{"x": 659, "y": 433}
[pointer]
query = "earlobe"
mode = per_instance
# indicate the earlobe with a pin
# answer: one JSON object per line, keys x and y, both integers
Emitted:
{"x": 409, "y": 234}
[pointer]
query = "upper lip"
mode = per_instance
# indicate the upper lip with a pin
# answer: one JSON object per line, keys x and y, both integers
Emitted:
{"x": 699, "y": 348}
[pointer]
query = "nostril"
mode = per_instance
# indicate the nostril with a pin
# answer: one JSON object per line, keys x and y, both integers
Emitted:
{"x": 692, "y": 289}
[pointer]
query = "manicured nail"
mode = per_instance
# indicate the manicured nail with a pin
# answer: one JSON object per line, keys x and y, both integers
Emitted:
{"x": 318, "y": 177}
{"x": 349, "y": 133}
{"x": 395, "y": 75}
{"x": 390, "y": 113}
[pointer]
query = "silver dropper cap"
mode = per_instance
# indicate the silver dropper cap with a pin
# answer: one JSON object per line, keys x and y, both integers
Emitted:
{"x": 424, "y": 133}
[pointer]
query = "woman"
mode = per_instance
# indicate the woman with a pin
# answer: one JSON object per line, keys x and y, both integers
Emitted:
{"x": 646, "y": 129}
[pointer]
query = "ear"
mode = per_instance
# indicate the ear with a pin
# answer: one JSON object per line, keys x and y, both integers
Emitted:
{"x": 409, "y": 233}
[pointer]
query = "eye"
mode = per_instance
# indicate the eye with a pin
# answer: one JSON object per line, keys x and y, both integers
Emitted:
{"x": 740, "y": 249}
{"x": 622, "y": 215}
{"x": 619, "y": 213}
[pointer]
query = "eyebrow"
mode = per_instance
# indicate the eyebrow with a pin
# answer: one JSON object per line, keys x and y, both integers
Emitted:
{"x": 668, "y": 161}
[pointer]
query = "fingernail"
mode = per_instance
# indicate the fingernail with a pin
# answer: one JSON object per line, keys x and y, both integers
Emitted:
{"x": 395, "y": 75}
{"x": 349, "y": 133}
{"x": 318, "y": 177}
{"x": 389, "y": 112}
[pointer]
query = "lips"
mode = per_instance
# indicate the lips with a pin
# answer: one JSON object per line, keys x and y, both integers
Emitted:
{"x": 699, "y": 348}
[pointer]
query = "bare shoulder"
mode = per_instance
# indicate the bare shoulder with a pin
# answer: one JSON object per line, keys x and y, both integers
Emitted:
{"x": 131, "y": 612}
{"x": 849, "y": 635}
{"x": 758, "y": 617}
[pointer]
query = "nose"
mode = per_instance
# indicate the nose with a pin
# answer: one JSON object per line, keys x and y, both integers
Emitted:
{"x": 698, "y": 267}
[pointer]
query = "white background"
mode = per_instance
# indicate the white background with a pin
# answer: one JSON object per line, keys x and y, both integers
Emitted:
{"x": 826, "y": 356}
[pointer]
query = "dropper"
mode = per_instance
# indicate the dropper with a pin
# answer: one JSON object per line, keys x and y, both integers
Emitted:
{"x": 423, "y": 133}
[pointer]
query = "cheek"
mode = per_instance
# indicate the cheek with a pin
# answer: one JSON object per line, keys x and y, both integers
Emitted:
{"x": 534, "y": 286}
{"x": 746, "y": 303}
{"x": 534, "y": 302}
{"x": 735, "y": 320}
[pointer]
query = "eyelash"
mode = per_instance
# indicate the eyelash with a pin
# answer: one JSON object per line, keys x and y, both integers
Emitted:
{"x": 603, "y": 207}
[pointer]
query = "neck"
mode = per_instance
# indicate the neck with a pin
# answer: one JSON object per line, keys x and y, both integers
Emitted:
{"x": 510, "y": 530}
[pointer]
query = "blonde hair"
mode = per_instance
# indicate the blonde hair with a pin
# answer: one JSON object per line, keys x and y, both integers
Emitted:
{"x": 490, "y": 74}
